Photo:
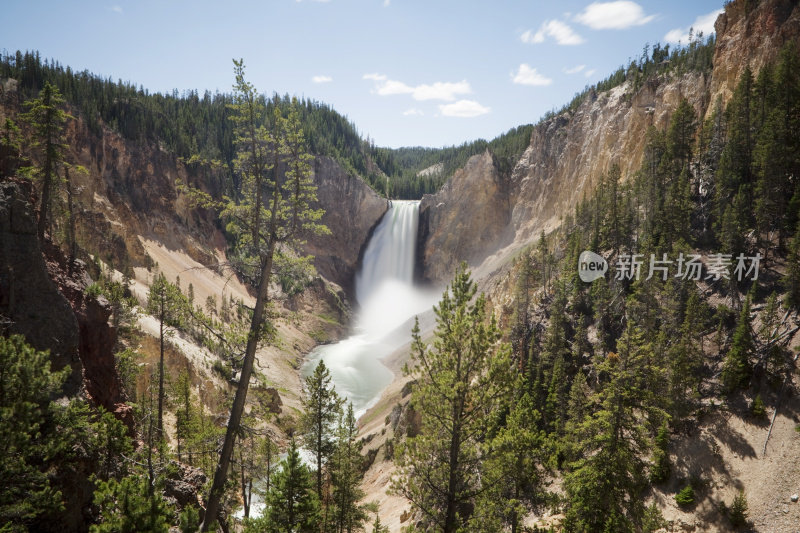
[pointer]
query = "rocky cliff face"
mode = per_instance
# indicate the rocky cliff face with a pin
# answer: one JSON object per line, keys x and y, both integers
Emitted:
{"x": 750, "y": 37}
{"x": 478, "y": 212}
{"x": 466, "y": 218}
{"x": 352, "y": 210}
{"x": 43, "y": 298}
{"x": 30, "y": 304}
{"x": 129, "y": 191}
{"x": 569, "y": 153}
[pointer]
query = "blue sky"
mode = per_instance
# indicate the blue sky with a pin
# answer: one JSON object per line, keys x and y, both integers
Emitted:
{"x": 406, "y": 72}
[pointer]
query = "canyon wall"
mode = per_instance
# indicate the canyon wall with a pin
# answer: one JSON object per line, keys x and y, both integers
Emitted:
{"x": 568, "y": 153}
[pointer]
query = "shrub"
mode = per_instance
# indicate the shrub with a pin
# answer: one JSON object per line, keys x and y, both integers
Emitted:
{"x": 738, "y": 512}
{"x": 757, "y": 408}
{"x": 685, "y": 497}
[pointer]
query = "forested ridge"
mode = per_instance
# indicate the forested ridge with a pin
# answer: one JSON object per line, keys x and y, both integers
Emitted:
{"x": 191, "y": 124}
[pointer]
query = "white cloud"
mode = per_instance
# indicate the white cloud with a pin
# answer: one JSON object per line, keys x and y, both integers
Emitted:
{"x": 322, "y": 79}
{"x": 439, "y": 90}
{"x": 616, "y": 15}
{"x": 116, "y": 9}
{"x": 413, "y": 112}
{"x": 574, "y": 70}
{"x": 463, "y": 109}
{"x": 589, "y": 73}
{"x": 556, "y": 29}
{"x": 703, "y": 23}
{"x": 386, "y": 3}
{"x": 526, "y": 75}
{"x": 374, "y": 77}
{"x": 387, "y": 87}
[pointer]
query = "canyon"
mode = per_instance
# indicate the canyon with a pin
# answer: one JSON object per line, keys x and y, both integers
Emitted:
{"x": 134, "y": 217}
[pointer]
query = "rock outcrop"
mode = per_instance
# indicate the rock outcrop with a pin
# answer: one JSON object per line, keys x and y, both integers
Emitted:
{"x": 30, "y": 303}
{"x": 97, "y": 338}
{"x": 478, "y": 212}
{"x": 352, "y": 210}
{"x": 466, "y": 218}
{"x": 569, "y": 153}
{"x": 43, "y": 298}
{"x": 751, "y": 39}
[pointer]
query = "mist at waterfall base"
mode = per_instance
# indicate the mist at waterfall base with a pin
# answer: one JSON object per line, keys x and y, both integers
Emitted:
{"x": 387, "y": 303}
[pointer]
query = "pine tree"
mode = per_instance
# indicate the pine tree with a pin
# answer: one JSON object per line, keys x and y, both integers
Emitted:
{"x": 29, "y": 442}
{"x": 167, "y": 304}
{"x": 129, "y": 506}
{"x": 603, "y": 485}
{"x": 345, "y": 473}
{"x": 10, "y": 148}
{"x": 461, "y": 379}
{"x": 686, "y": 357}
{"x": 791, "y": 280}
{"x": 261, "y": 227}
{"x": 513, "y": 472}
{"x": 321, "y": 409}
{"x": 291, "y": 504}
{"x": 46, "y": 118}
{"x": 736, "y": 368}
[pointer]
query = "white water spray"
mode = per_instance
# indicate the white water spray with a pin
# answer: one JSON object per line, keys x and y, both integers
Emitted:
{"x": 388, "y": 300}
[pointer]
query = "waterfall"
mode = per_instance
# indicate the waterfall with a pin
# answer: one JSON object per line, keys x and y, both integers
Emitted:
{"x": 390, "y": 252}
{"x": 387, "y": 301}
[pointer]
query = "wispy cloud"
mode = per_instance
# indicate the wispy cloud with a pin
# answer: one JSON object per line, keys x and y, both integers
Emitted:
{"x": 374, "y": 77}
{"x": 589, "y": 73}
{"x": 616, "y": 15}
{"x": 439, "y": 90}
{"x": 556, "y": 29}
{"x": 322, "y": 79}
{"x": 116, "y": 9}
{"x": 574, "y": 70}
{"x": 386, "y": 3}
{"x": 525, "y": 75}
{"x": 703, "y": 23}
{"x": 463, "y": 109}
{"x": 413, "y": 112}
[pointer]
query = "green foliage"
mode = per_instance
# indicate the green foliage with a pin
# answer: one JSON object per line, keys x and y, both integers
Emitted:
{"x": 189, "y": 519}
{"x": 757, "y": 408}
{"x": 130, "y": 505}
{"x": 168, "y": 305}
{"x": 736, "y": 368}
{"x": 321, "y": 410}
{"x": 292, "y": 503}
{"x": 31, "y": 437}
{"x": 45, "y": 442}
{"x": 461, "y": 379}
{"x": 512, "y": 471}
{"x": 738, "y": 512}
{"x": 685, "y": 497}
{"x": 791, "y": 280}
{"x": 661, "y": 467}
{"x": 46, "y": 119}
{"x": 653, "y": 519}
{"x": 10, "y": 148}
{"x": 345, "y": 477}
{"x": 294, "y": 273}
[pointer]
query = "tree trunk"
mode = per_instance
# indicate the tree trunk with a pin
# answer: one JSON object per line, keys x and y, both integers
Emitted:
{"x": 221, "y": 473}
{"x": 161, "y": 370}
